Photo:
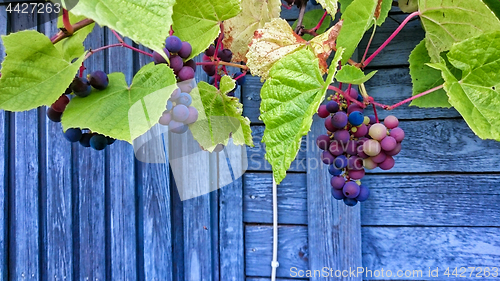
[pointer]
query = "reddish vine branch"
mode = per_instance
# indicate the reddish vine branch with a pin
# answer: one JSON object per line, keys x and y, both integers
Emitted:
{"x": 77, "y": 26}
{"x": 346, "y": 96}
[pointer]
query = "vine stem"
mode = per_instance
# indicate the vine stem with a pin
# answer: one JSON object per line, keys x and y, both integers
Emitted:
{"x": 375, "y": 112}
{"x": 400, "y": 27}
{"x": 91, "y": 52}
{"x": 120, "y": 39}
{"x": 217, "y": 46}
{"x": 346, "y": 96}
{"x": 274, "y": 263}
{"x": 369, "y": 41}
{"x": 240, "y": 76}
{"x": 77, "y": 26}
{"x": 302, "y": 12}
{"x": 415, "y": 97}
{"x": 320, "y": 22}
{"x": 67, "y": 23}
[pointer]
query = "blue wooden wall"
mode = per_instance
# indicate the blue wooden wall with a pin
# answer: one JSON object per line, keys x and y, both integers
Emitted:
{"x": 69, "y": 213}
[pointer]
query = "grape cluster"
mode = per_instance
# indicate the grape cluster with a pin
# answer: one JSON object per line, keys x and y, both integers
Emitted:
{"x": 81, "y": 87}
{"x": 355, "y": 142}
{"x": 179, "y": 113}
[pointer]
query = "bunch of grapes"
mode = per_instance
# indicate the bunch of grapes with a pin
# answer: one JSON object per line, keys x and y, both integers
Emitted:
{"x": 179, "y": 113}
{"x": 355, "y": 142}
{"x": 81, "y": 87}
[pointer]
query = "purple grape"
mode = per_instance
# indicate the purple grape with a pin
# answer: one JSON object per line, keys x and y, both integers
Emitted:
{"x": 328, "y": 124}
{"x": 175, "y": 94}
{"x": 326, "y": 157}
{"x": 81, "y": 87}
{"x": 351, "y": 189}
{"x": 60, "y": 104}
{"x": 209, "y": 69}
{"x": 398, "y": 134}
{"x": 336, "y": 148}
{"x": 158, "y": 58}
{"x": 73, "y": 134}
{"x": 176, "y": 63}
{"x": 351, "y": 147}
{"x": 98, "y": 142}
{"x": 395, "y": 151}
{"x": 364, "y": 193}
{"x": 387, "y": 164}
{"x": 53, "y": 115}
{"x": 342, "y": 136}
{"x": 373, "y": 120}
{"x": 388, "y": 143}
{"x": 354, "y": 107}
{"x": 338, "y": 194}
{"x": 165, "y": 119}
{"x": 391, "y": 122}
{"x": 332, "y": 106}
{"x": 110, "y": 140}
{"x": 323, "y": 142}
{"x": 85, "y": 140}
{"x": 185, "y": 99}
{"x": 240, "y": 80}
{"x": 185, "y": 50}
{"x": 170, "y": 105}
{"x": 185, "y": 73}
{"x": 356, "y": 118}
{"x": 337, "y": 182}
{"x": 177, "y": 127}
{"x": 99, "y": 80}
{"x": 339, "y": 120}
{"x": 353, "y": 93}
{"x": 180, "y": 113}
{"x": 191, "y": 63}
{"x": 193, "y": 115}
{"x": 361, "y": 131}
{"x": 210, "y": 51}
{"x": 355, "y": 163}
{"x": 334, "y": 171}
{"x": 340, "y": 162}
{"x": 322, "y": 112}
{"x": 361, "y": 154}
{"x": 225, "y": 55}
{"x": 356, "y": 174}
{"x": 351, "y": 202}
{"x": 173, "y": 44}
{"x": 379, "y": 158}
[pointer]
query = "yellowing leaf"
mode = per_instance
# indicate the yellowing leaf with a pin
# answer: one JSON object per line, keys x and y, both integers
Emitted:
{"x": 330, "y": 6}
{"x": 238, "y": 31}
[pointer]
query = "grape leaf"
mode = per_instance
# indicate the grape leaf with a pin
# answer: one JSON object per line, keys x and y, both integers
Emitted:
{"x": 330, "y": 6}
{"x": 144, "y": 21}
{"x": 34, "y": 72}
{"x": 408, "y": 6}
{"x": 477, "y": 95}
{"x": 352, "y": 75}
{"x": 344, "y": 4}
{"x": 358, "y": 17}
{"x": 72, "y": 47}
{"x": 494, "y": 5}
{"x": 238, "y": 31}
{"x": 120, "y": 111}
{"x": 197, "y": 21}
{"x": 425, "y": 78}
{"x": 450, "y": 21}
{"x": 311, "y": 19}
{"x": 219, "y": 116}
{"x": 290, "y": 97}
{"x": 227, "y": 84}
{"x": 382, "y": 11}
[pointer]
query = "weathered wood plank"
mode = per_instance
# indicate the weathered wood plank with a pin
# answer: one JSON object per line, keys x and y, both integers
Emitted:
{"x": 398, "y": 51}
{"x": 269, "y": 279}
{"x": 57, "y": 231}
{"x": 257, "y": 162}
{"x": 24, "y": 183}
{"x": 121, "y": 188}
{"x": 89, "y": 193}
{"x": 418, "y": 248}
{"x": 4, "y": 138}
{"x": 258, "y": 201}
{"x": 177, "y": 234}
{"x": 432, "y": 200}
{"x": 154, "y": 213}
{"x": 444, "y": 145}
{"x": 292, "y": 250}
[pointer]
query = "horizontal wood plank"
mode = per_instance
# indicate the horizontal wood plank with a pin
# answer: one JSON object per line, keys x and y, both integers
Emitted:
{"x": 418, "y": 248}
{"x": 432, "y": 200}
{"x": 292, "y": 250}
{"x": 258, "y": 201}
{"x": 3, "y": 165}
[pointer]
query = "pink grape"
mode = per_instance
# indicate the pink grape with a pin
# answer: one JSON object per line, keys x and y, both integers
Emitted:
{"x": 388, "y": 143}
{"x": 328, "y": 124}
{"x": 337, "y": 182}
{"x": 193, "y": 115}
{"x": 180, "y": 113}
{"x": 387, "y": 164}
{"x": 354, "y": 107}
{"x": 339, "y": 120}
{"x": 323, "y": 142}
{"x": 379, "y": 158}
{"x": 355, "y": 163}
{"x": 351, "y": 147}
{"x": 176, "y": 63}
{"x": 165, "y": 119}
{"x": 369, "y": 164}
{"x": 395, "y": 151}
{"x": 398, "y": 134}
{"x": 378, "y": 131}
{"x": 391, "y": 122}
{"x": 351, "y": 189}
{"x": 327, "y": 157}
{"x": 342, "y": 136}
{"x": 361, "y": 131}
{"x": 322, "y": 112}
{"x": 361, "y": 154}
{"x": 356, "y": 174}
{"x": 371, "y": 147}
{"x": 353, "y": 93}
{"x": 336, "y": 148}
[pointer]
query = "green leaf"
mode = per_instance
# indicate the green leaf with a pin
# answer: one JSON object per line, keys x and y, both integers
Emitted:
{"x": 352, "y": 75}
{"x": 494, "y": 5}
{"x": 197, "y": 21}
{"x": 425, "y": 78}
{"x": 477, "y": 95}
{"x": 408, "y": 6}
{"x": 344, "y": 4}
{"x": 72, "y": 47}
{"x": 330, "y": 6}
{"x": 120, "y": 111}
{"x": 358, "y": 17}
{"x": 145, "y": 21}
{"x": 227, "y": 84}
{"x": 290, "y": 98}
{"x": 219, "y": 117}
{"x": 238, "y": 31}
{"x": 311, "y": 19}
{"x": 385, "y": 8}
{"x": 34, "y": 72}
{"x": 449, "y": 21}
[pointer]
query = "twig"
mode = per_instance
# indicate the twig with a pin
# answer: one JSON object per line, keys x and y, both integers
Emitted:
{"x": 117, "y": 36}
{"x": 369, "y": 41}
{"x": 91, "y": 52}
{"x": 67, "y": 23}
{"x": 302, "y": 12}
{"x": 77, "y": 26}
{"x": 415, "y": 97}
{"x": 375, "y": 112}
{"x": 320, "y": 22}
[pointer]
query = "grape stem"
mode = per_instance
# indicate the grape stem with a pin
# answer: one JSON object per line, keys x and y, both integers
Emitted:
{"x": 299, "y": 27}
{"x": 415, "y": 97}
{"x": 217, "y": 46}
{"x": 400, "y": 27}
{"x": 91, "y": 52}
{"x": 67, "y": 24}
{"x": 241, "y": 75}
{"x": 77, "y": 26}
{"x": 320, "y": 22}
{"x": 370, "y": 41}
{"x": 346, "y": 96}
{"x": 118, "y": 37}
{"x": 244, "y": 67}
{"x": 375, "y": 112}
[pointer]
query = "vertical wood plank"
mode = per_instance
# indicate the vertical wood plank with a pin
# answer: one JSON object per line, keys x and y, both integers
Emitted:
{"x": 121, "y": 189}
{"x": 3, "y": 164}
{"x": 24, "y": 184}
{"x": 154, "y": 206}
{"x": 56, "y": 193}
{"x": 89, "y": 193}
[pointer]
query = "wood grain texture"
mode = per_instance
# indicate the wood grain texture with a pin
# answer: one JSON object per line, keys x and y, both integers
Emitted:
{"x": 258, "y": 201}
{"x": 24, "y": 184}
{"x": 4, "y": 139}
{"x": 409, "y": 248}
{"x": 432, "y": 200}
{"x": 257, "y": 162}
{"x": 89, "y": 186}
{"x": 269, "y": 279}
{"x": 57, "y": 231}
{"x": 292, "y": 250}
